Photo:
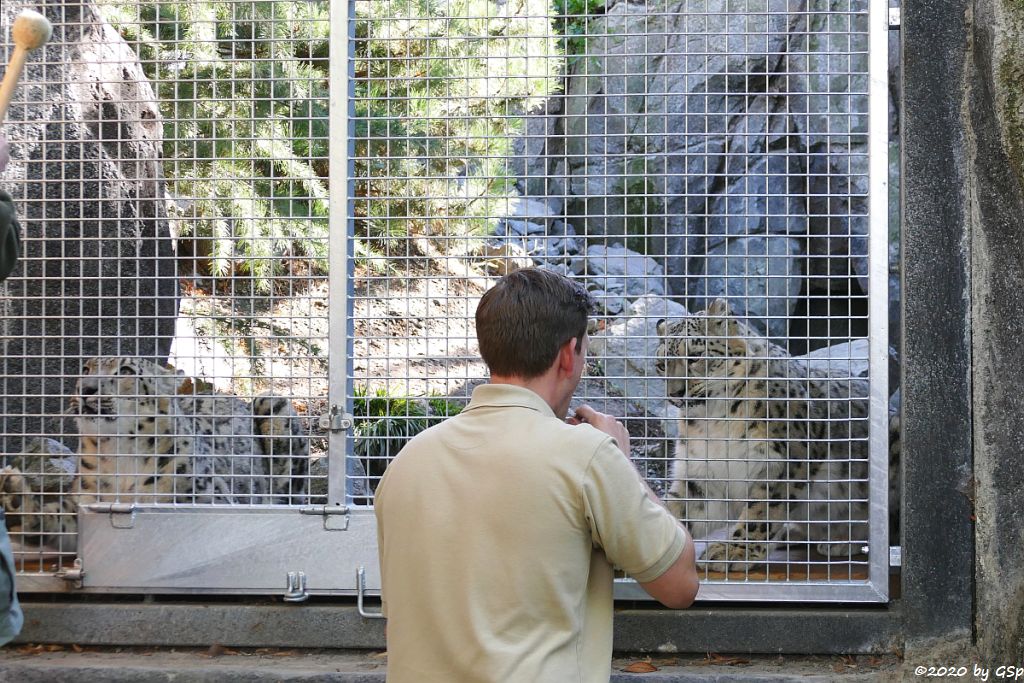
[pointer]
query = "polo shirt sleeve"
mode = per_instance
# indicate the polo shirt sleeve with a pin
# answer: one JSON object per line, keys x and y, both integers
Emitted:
{"x": 638, "y": 535}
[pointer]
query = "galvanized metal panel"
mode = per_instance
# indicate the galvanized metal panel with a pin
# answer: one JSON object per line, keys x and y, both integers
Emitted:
{"x": 157, "y": 550}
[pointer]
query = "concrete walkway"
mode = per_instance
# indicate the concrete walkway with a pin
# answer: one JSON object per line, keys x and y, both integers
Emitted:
{"x": 73, "y": 664}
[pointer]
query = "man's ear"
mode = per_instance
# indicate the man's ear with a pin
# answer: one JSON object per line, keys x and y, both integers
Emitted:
{"x": 567, "y": 355}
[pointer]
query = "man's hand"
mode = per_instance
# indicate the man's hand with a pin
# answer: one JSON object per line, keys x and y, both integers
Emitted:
{"x": 604, "y": 423}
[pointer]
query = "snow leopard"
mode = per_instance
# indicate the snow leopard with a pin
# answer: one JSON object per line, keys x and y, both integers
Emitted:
{"x": 145, "y": 436}
{"x": 771, "y": 451}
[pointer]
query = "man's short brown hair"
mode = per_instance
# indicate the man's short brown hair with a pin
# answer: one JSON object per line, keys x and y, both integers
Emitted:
{"x": 526, "y": 317}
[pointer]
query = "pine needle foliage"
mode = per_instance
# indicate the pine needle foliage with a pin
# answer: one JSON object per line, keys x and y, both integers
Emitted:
{"x": 242, "y": 89}
{"x": 440, "y": 88}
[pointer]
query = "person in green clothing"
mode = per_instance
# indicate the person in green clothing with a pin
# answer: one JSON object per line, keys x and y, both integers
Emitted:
{"x": 9, "y": 229}
{"x": 10, "y": 612}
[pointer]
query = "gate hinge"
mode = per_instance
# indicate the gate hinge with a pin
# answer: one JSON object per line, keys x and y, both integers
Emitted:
{"x": 73, "y": 574}
{"x": 335, "y": 516}
{"x": 336, "y": 421}
{"x": 895, "y": 17}
{"x": 122, "y": 515}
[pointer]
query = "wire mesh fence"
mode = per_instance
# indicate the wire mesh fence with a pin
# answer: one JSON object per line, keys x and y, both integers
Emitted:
{"x": 709, "y": 170}
{"x": 166, "y": 340}
{"x": 705, "y": 164}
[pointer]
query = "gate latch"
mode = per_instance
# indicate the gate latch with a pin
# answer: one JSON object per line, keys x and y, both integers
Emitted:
{"x": 336, "y": 421}
{"x": 335, "y": 516}
{"x": 122, "y": 515}
{"x": 73, "y": 574}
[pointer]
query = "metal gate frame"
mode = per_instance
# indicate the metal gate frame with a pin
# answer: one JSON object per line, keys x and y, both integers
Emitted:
{"x": 330, "y": 567}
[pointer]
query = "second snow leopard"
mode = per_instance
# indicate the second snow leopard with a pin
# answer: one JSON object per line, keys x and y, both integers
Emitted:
{"x": 145, "y": 437}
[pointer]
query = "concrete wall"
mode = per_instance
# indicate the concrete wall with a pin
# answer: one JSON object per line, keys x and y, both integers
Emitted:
{"x": 964, "y": 341}
{"x": 994, "y": 103}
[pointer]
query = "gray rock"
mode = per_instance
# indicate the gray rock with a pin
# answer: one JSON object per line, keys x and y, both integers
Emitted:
{"x": 552, "y": 248}
{"x": 539, "y": 154}
{"x": 626, "y": 349}
{"x": 98, "y": 273}
{"x": 511, "y": 227}
{"x": 635, "y": 117}
{"x": 562, "y": 228}
{"x": 536, "y": 209}
{"x": 619, "y": 270}
{"x": 611, "y": 303}
{"x": 706, "y": 121}
{"x": 560, "y": 268}
{"x": 761, "y": 199}
{"x": 760, "y": 276}
{"x": 850, "y": 359}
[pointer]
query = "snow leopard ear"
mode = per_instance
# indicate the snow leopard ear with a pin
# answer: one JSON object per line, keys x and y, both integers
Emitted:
{"x": 662, "y": 327}
{"x": 719, "y": 308}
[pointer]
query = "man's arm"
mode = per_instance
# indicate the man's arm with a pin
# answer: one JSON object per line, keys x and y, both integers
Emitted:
{"x": 677, "y": 586}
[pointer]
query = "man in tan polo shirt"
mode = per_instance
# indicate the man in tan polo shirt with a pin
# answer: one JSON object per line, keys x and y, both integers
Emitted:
{"x": 498, "y": 529}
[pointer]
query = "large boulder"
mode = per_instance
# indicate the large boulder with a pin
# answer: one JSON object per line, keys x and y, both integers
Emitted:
{"x": 713, "y": 127}
{"x": 97, "y": 274}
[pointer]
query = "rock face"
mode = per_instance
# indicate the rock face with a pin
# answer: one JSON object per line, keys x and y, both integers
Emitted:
{"x": 727, "y": 139}
{"x": 97, "y": 274}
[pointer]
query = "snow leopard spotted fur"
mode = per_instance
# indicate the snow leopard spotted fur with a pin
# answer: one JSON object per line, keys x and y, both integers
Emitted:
{"x": 770, "y": 449}
{"x": 145, "y": 437}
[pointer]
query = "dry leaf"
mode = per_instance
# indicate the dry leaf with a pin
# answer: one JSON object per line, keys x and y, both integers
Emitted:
{"x": 77, "y": 648}
{"x": 215, "y": 650}
{"x": 719, "y": 660}
{"x": 54, "y": 647}
{"x": 640, "y": 668}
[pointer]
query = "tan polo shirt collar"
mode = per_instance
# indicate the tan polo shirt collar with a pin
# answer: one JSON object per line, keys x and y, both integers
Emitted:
{"x": 508, "y": 395}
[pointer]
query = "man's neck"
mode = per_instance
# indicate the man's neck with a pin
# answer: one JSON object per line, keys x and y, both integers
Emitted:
{"x": 546, "y": 386}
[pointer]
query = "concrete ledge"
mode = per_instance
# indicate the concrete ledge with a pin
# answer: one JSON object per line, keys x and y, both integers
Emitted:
{"x": 771, "y": 629}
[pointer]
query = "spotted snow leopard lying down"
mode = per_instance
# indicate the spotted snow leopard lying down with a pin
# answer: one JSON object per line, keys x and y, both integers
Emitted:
{"x": 145, "y": 437}
{"x": 771, "y": 451}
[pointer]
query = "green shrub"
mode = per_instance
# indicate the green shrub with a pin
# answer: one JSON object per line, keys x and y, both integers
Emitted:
{"x": 383, "y": 424}
{"x": 572, "y": 19}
